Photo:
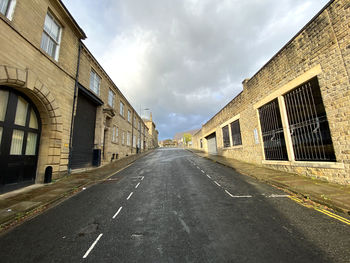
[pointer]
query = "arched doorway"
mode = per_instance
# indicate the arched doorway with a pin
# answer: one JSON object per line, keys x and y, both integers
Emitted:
{"x": 20, "y": 129}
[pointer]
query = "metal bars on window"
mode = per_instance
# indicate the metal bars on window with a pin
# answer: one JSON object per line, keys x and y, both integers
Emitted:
{"x": 308, "y": 123}
{"x": 226, "y": 136}
{"x": 236, "y": 133}
{"x": 272, "y": 132}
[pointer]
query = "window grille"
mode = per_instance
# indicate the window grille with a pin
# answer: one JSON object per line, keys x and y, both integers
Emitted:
{"x": 236, "y": 133}
{"x": 272, "y": 132}
{"x": 226, "y": 136}
{"x": 308, "y": 123}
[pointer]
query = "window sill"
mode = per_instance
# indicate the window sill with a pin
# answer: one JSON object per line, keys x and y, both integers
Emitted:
{"x": 233, "y": 147}
{"x": 115, "y": 142}
{"x": 328, "y": 165}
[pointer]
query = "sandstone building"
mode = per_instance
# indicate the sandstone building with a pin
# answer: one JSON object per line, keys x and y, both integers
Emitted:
{"x": 153, "y": 133}
{"x": 293, "y": 114}
{"x": 59, "y": 110}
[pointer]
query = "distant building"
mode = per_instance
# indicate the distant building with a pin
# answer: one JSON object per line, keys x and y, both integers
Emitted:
{"x": 153, "y": 133}
{"x": 294, "y": 113}
{"x": 168, "y": 143}
{"x": 179, "y": 137}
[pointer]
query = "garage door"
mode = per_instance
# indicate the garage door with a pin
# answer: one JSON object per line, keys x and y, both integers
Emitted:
{"x": 83, "y": 133}
{"x": 212, "y": 149}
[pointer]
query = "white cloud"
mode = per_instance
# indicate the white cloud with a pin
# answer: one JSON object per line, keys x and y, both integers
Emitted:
{"x": 186, "y": 59}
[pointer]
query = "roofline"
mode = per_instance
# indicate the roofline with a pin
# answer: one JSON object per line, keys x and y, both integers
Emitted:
{"x": 80, "y": 30}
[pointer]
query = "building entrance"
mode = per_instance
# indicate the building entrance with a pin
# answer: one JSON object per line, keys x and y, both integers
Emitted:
{"x": 19, "y": 139}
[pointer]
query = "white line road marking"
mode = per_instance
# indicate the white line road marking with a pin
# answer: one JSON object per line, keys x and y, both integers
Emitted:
{"x": 137, "y": 185}
{"x": 277, "y": 196}
{"x": 217, "y": 183}
{"x": 142, "y": 178}
{"x": 92, "y": 246}
{"x": 202, "y": 171}
{"x": 242, "y": 196}
{"x": 120, "y": 209}
{"x": 198, "y": 167}
{"x": 208, "y": 176}
{"x": 129, "y": 196}
{"x": 229, "y": 193}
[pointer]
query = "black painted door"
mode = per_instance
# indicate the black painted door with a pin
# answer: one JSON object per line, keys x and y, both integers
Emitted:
{"x": 19, "y": 137}
{"x": 83, "y": 133}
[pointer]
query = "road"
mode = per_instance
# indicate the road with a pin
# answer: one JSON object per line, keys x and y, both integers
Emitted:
{"x": 173, "y": 206}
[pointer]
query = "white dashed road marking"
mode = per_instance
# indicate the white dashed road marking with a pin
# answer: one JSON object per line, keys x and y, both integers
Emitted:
{"x": 92, "y": 246}
{"x": 129, "y": 196}
{"x": 208, "y": 176}
{"x": 137, "y": 185}
{"x": 115, "y": 215}
{"x": 202, "y": 171}
{"x": 217, "y": 183}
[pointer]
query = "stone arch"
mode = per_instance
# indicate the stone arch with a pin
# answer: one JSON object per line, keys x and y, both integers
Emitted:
{"x": 50, "y": 147}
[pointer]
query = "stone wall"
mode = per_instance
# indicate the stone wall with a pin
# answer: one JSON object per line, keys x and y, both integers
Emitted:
{"x": 321, "y": 49}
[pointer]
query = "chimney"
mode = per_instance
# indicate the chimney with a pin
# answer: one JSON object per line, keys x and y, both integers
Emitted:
{"x": 244, "y": 82}
{"x": 150, "y": 116}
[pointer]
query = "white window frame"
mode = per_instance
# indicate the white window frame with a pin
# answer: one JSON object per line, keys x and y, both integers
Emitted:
{"x": 10, "y": 9}
{"x": 57, "y": 42}
{"x": 123, "y": 138}
{"x": 129, "y": 116}
{"x": 121, "y": 108}
{"x": 111, "y": 98}
{"x": 95, "y": 79}
{"x": 128, "y": 142}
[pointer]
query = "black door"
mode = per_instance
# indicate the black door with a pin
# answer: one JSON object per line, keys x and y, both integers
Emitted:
{"x": 19, "y": 138}
{"x": 83, "y": 133}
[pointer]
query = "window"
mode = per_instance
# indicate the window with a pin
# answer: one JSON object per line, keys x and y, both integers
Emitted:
{"x": 115, "y": 133}
{"x": 134, "y": 141}
{"x": 236, "y": 133}
{"x": 139, "y": 125}
{"x": 226, "y": 136}
{"x": 111, "y": 97}
{"x": 272, "y": 131}
{"x": 308, "y": 123}
{"x": 129, "y": 116}
{"x": 128, "y": 137}
{"x": 134, "y": 120}
{"x": 95, "y": 82}
{"x": 123, "y": 138}
{"x": 121, "y": 109}
{"x": 51, "y": 37}
{"x": 138, "y": 142}
{"x": 7, "y": 8}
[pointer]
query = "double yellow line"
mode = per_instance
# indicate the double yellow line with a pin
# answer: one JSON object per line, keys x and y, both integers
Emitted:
{"x": 323, "y": 211}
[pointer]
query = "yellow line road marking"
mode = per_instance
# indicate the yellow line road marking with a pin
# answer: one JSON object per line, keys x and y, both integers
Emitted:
{"x": 323, "y": 211}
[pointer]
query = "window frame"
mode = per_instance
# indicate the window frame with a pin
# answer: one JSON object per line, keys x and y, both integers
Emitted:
{"x": 95, "y": 76}
{"x": 121, "y": 109}
{"x": 110, "y": 91}
{"x": 56, "y": 42}
{"x": 129, "y": 116}
{"x": 279, "y": 93}
{"x": 10, "y": 9}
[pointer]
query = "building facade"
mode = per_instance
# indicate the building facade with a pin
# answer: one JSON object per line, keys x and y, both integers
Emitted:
{"x": 293, "y": 114}
{"x": 152, "y": 132}
{"x": 59, "y": 110}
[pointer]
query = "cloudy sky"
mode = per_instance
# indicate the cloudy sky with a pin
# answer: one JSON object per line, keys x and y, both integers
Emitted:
{"x": 186, "y": 59}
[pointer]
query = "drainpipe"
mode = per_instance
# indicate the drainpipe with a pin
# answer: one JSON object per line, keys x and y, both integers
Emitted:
{"x": 132, "y": 130}
{"x": 73, "y": 109}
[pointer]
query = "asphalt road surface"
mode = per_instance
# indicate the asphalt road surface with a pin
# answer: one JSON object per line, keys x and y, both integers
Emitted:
{"x": 173, "y": 206}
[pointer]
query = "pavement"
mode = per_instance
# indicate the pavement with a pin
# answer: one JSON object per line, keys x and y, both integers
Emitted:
{"x": 20, "y": 205}
{"x": 334, "y": 196}
{"x": 175, "y": 206}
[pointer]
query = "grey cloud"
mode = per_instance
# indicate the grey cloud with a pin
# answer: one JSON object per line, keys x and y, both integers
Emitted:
{"x": 198, "y": 52}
